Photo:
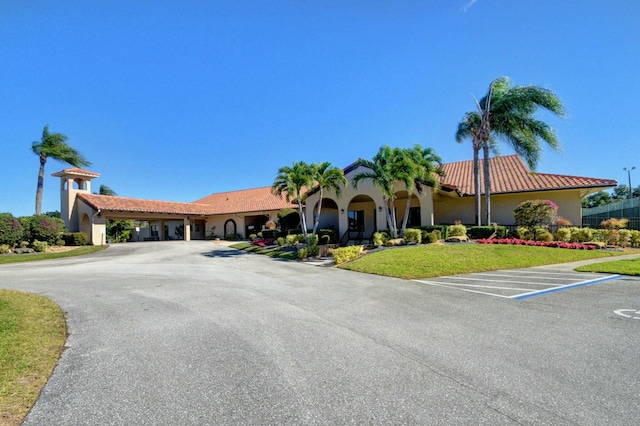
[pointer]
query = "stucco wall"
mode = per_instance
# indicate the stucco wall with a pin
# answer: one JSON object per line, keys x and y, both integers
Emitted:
{"x": 449, "y": 210}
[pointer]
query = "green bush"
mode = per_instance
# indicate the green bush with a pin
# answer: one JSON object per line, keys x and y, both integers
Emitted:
{"x": 60, "y": 243}
{"x": 253, "y": 236}
{"x": 379, "y": 238}
{"x": 477, "y": 232}
{"x": 457, "y": 230}
{"x": 344, "y": 254}
{"x": 10, "y": 229}
{"x": 5, "y": 249}
{"x": 308, "y": 251}
{"x": 40, "y": 246}
{"x": 300, "y": 238}
{"x": 601, "y": 235}
{"x": 624, "y": 237}
{"x": 24, "y": 244}
{"x": 291, "y": 239}
{"x": 543, "y": 234}
{"x": 313, "y": 240}
{"x": 395, "y": 242}
{"x": 74, "y": 238}
{"x": 412, "y": 235}
{"x": 429, "y": 237}
{"x": 330, "y": 233}
{"x": 281, "y": 241}
{"x": 232, "y": 237}
{"x": 442, "y": 229}
{"x": 524, "y": 233}
{"x": 563, "y": 235}
{"x": 42, "y": 228}
{"x": 634, "y": 238}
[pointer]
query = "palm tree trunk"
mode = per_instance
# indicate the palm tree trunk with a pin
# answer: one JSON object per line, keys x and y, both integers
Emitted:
{"x": 487, "y": 183}
{"x": 316, "y": 221}
{"x": 394, "y": 223}
{"x": 303, "y": 222}
{"x": 406, "y": 215}
{"x": 387, "y": 215}
{"x": 476, "y": 183}
{"x": 39, "y": 190}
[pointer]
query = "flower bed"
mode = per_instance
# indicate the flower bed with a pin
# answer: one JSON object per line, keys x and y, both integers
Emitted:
{"x": 519, "y": 242}
{"x": 262, "y": 242}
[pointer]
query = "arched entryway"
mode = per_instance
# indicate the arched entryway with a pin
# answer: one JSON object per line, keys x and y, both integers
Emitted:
{"x": 85, "y": 225}
{"x": 362, "y": 219}
{"x": 400, "y": 203}
{"x": 230, "y": 227}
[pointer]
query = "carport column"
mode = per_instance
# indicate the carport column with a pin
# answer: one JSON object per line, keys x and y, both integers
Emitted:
{"x": 162, "y": 236}
{"x": 187, "y": 229}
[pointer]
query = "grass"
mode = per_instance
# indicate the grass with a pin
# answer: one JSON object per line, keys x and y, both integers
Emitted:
{"x": 14, "y": 258}
{"x": 621, "y": 267}
{"x": 32, "y": 336}
{"x": 275, "y": 252}
{"x": 435, "y": 260}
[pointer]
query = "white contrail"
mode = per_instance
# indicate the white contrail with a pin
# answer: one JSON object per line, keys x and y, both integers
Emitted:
{"x": 468, "y": 5}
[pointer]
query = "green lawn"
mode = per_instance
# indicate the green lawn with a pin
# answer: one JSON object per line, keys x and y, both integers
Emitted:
{"x": 622, "y": 267}
{"x": 14, "y": 258}
{"x": 32, "y": 336}
{"x": 433, "y": 260}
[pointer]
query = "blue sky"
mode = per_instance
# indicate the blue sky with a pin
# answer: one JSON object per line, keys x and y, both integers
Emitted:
{"x": 175, "y": 100}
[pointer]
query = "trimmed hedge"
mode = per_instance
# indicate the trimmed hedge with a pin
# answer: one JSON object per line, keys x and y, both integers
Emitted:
{"x": 477, "y": 232}
{"x": 440, "y": 228}
{"x": 74, "y": 238}
{"x": 412, "y": 235}
{"x": 344, "y": 254}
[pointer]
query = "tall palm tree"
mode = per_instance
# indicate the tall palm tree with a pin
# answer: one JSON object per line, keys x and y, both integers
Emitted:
{"x": 292, "y": 182}
{"x": 427, "y": 168}
{"x": 506, "y": 113}
{"x": 105, "y": 190}
{"x": 326, "y": 177}
{"x": 54, "y": 145}
{"x": 385, "y": 168}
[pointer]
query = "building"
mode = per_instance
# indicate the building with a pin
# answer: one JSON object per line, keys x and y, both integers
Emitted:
{"x": 358, "y": 210}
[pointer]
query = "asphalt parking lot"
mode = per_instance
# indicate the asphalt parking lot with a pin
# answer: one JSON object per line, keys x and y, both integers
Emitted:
{"x": 519, "y": 284}
{"x": 193, "y": 333}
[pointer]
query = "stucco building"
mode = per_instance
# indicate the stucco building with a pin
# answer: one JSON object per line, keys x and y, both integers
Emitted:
{"x": 357, "y": 210}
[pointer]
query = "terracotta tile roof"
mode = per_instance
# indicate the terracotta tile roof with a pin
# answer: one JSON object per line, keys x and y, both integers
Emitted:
{"x": 76, "y": 171}
{"x": 123, "y": 204}
{"x": 510, "y": 174}
{"x": 247, "y": 200}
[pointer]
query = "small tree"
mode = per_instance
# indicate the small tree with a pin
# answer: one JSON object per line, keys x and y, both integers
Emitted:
{"x": 42, "y": 228}
{"x": 535, "y": 213}
{"x": 10, "y": 229}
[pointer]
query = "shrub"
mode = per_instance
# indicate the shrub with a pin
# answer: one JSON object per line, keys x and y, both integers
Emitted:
{"x": 524, "y": 233}
{"x": 614, "y": 223}
{"x": 270, "y": 233}
{"x": 563, "y": 235}
{"x": 308, "y": 251}
{"x": 395, "y": 242}
{"x": 555, "y": 244}
{"x": 581, "y": 235}
{"x": 442, "y": 229}
{"x": 24, "y": 244}
{"x": 543, "y": 234}
{"x": 532, "y": 213}
{"x": 5, "y": 249}
{"x": 412, "y": 235}
{"x": 313, "y": 240}
{"x": 74, "y": 238}
{"x": 300, "y": 238}
{"x": 281, "y": 241}
{"x": 60, "y": 243}
{"x": 42, "y": 228}
{"x": 457, "y": 230}
{"x": 634, "y": 238}
{"x": 325, "y": 239}
{"x": 10, "y": 229}
{"x": 329, "y": 233}
{"x": 40, "y": 246}
{"x": 624, "y": 237}
{"x": 232, "y": 237}
{"x": 344, "y": 254}
{"x": 601, "y": 235}
{"x": 562, "y": 222}
{"x": 253, "y": 236}
{"x": 291, "y": 239}
{"x": 429, "y": 237}
{"x": 476, "y": 232}
{"x": 379, "y": 238}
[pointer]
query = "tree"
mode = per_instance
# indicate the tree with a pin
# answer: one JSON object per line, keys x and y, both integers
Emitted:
{"x": 385, "y": 168}
{"x": 600, "y": 198}
{"x": 54, "y": 145}
{"x": 293, "y": 182}
{"x": 427, "y": 167}
{"x": 506, "y": 113}
{"x": 105, "y": 190}
{"x": 326, "y": 176}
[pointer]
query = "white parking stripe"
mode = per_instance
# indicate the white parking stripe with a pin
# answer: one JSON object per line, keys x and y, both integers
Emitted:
{"x": 464, "y": 277}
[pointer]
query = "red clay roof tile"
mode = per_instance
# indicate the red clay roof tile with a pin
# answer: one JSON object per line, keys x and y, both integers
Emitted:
{"x": 123, "y": 204}
{"x": 247, "y": 200}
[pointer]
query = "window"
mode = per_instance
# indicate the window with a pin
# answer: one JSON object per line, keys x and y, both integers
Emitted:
{"x": 356, "y": 220}
{"x": 154, "y": 230}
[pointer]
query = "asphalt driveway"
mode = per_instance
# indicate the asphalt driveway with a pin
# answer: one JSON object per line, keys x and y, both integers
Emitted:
{"x": 180, "y": 333}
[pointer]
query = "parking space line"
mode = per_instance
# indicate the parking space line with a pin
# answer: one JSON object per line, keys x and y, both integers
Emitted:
{"x": 495, "y": 281}
{"x": 564, "y": 287}
{"x": 438, "y": 284}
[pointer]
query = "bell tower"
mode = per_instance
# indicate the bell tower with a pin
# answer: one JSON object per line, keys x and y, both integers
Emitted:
{"x": 73, "y": 181}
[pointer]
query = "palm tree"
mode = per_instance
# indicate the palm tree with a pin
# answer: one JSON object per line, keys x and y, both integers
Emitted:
{"x": 326, "y": 177}
{"x": 387, "y": 166}
{"x": 427, "y": 167}
{"x": 292, "y": 182}
{"x": 105, "y": 190}
{"x": 505, "y": 114}
{"x": 54, "y": 145}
